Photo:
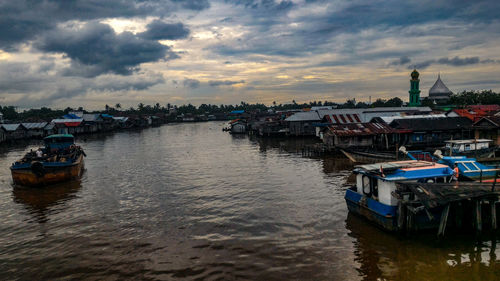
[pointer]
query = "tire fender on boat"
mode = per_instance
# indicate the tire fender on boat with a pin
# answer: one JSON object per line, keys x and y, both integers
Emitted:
{"x": 38, "y": 169}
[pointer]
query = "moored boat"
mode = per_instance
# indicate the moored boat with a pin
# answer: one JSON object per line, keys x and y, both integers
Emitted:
{"x": 368, "y": 157}
{"x": 477, "y": 148}
{"x": 374, "y": 195}
{"x": 59, "y": 160}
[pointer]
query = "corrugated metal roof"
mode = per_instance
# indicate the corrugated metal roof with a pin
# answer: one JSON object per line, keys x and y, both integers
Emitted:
{"x": 39, "y": 125}
{"x": 10, "y": 127}
{"x": 120, "y": 118}
{"x": 389, "y": 119}
{"x": 304, "y": 116}
{"x": 342, "y": 118}
{"x": 66, "y": 120}
{"x": 91, "y": 117}
{"x": 360, "y": 129}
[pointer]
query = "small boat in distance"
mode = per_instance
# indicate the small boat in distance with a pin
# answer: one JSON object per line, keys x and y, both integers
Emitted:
{"x": 477, "y": 148}
{"x": 60, "y": 160}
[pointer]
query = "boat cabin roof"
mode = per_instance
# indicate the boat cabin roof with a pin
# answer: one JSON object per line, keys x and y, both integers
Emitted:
{"x": 404, "y": 170}
{"x": 59, "y": 136}
{"x": 467, "y": 141}
{"x": 59, "y": 141}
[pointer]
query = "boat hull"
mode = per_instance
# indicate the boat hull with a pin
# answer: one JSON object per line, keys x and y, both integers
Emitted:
{"x": 386, "y": 216}
{"x": 368, "y": 157}
{"x": 52, "y": 174}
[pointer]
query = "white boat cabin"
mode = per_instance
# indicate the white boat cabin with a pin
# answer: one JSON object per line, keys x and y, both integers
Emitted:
{"x": 378, "y": 181}
{"x": 467, "y": 145}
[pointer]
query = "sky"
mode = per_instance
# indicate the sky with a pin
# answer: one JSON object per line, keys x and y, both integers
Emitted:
{"x": 90, "y": 53}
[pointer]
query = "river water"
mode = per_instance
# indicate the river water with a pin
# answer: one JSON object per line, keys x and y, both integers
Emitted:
{"x": 188, "y": 201}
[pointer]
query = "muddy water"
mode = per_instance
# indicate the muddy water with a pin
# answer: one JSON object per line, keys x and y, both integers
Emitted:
{"x": 188, "y": 201}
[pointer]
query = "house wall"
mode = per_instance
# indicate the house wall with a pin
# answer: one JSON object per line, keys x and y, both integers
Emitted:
{"x": 16, "y": 135}
{"x": 302, "y": 128}
{"x": 345, "y": 142}
{"x": 36, "y": 133}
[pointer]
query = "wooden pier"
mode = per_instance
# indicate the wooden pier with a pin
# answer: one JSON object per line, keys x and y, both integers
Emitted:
{"x": 467, "y": 206}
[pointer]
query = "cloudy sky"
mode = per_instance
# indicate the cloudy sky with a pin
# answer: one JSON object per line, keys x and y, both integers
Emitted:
{"x": 91, "y": 52}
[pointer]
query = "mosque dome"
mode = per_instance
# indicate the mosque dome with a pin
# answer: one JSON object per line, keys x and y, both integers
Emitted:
{"x": 439, "y": 89}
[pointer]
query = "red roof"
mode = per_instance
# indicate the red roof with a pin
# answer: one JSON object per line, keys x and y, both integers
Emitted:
{"x": 360, "y": 129}
{"x": 72, "y": 124}
{"x": 485, "y": 107}
{"x": 472, "y": 114}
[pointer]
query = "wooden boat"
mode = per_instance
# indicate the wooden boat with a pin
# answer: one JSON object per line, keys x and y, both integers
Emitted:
{"x": 374, "y": 195}
{"x": 61, "y": 160}
{"x": 366, "y": 157}
{"x": 477, "y": 148}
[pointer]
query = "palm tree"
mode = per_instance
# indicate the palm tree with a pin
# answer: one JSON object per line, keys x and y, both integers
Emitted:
{"x": 107, "y": 107}
{"x": 118, "y": 106}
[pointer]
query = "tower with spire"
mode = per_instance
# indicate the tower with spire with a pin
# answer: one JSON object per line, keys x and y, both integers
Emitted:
{"x": 414, "y": 90}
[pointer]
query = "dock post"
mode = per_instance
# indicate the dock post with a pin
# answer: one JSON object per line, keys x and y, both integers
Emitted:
{"x": 401, "y": 215}
{"x": 477, "y": 215}
{"x": 444, "y": 219}
{"x": 493, "y": 214}
{"x": 409, "y": 219}
{"x": 495, "y": 180}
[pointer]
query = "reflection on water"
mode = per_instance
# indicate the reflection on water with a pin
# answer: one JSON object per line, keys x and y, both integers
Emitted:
{"x": 188, "y": 201}
{"x": 386, "y": 256}
{"x": 39, "y": 201}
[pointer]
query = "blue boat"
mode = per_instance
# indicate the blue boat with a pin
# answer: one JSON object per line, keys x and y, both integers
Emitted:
{"x": 469, "y": 168}
{"x": 375, "y": 195}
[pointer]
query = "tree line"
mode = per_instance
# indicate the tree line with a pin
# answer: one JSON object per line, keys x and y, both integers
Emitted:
{"x": 46, "y": 114}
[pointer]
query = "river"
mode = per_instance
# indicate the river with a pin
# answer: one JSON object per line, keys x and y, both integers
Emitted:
{"x": 188, "y": 201}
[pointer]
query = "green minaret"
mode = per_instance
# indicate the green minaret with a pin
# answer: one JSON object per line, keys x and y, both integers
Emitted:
{"x": 414, "y": 91}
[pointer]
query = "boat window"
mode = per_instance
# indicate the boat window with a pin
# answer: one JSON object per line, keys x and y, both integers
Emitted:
{"x": 366, "y": 186}
{"x": 374, "y": 188}
{"x": 467, "y": 147}
{"x": 448, "y": 145}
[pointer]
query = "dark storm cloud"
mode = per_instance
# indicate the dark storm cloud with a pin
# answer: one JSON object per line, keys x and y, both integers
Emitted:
{"x": 216, "y": 83}
{"x": 159, "y": 30}
{"x": 191, "y": 83}
{"x": 96, "y": 49}
{"x": 268, "y": 5}
{"x": 196, "y": 5}
{"x": 22, "y": 20}
{"x": 315, "y": 31}
{"x": 456, "y": 61}
{"x": 401, "y": 61}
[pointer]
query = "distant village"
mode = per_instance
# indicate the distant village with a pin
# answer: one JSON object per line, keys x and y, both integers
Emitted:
{"x": 384, "y": 125}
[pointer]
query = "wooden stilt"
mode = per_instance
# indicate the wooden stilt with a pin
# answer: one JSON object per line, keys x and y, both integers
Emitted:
{"x": 401, "y": 215}
{"x": 477, "y": 215}
{"x": 458, "y": 214}
{"x": 493, "y": 214}
{"x": 444, "y": 219}
{"x": 409, "y": 220}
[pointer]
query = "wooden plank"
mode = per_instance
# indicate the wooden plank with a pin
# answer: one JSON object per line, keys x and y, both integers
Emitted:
{"x": 444, "y": 219}
{"x": 348, "y": 155}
